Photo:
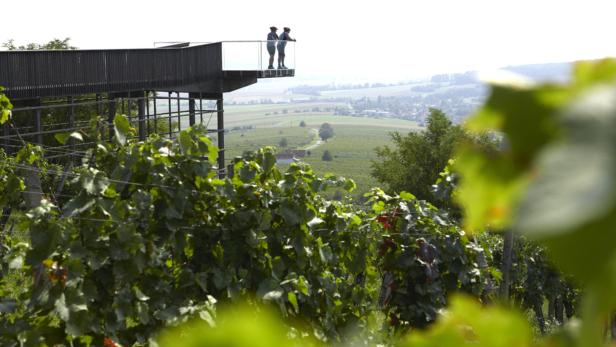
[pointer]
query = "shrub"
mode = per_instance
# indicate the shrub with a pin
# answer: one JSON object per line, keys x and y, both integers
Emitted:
{"x": 327, "y": 156}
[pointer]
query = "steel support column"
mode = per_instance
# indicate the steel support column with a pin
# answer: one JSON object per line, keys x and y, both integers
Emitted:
{"x": 221, "y": 137}
{"x": 191, "y": 109}
{"x": 99, "y": 114}
{"x": 141, "y": 117}
{"x": 169, "y": 115}
{"x": 128, "y": 114}
{"x": 177, "y": 96}
{"x": 99, "y": 105}
{"x": 71, "y": 120}
{"x": 155, "y": 115}
{"x": 37, "y": 126}
{"x": 111, "y": 114}
{"x": 147, "y": 113}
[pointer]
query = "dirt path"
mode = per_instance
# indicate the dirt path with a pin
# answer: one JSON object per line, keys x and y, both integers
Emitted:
{"x": 317, "y": 140}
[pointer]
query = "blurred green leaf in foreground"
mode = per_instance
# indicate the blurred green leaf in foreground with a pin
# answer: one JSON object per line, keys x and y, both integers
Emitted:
{"x": 554, "y": 179}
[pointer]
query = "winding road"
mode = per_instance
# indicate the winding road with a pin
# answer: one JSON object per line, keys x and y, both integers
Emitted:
{"x": 317, "y": 140}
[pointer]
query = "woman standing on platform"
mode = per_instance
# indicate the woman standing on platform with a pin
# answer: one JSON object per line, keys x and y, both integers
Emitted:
{"x": 282, "y": 43}
{"x": 272, "y": 37}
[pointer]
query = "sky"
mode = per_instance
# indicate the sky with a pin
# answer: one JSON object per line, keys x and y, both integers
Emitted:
{"x": 339, "y": 41}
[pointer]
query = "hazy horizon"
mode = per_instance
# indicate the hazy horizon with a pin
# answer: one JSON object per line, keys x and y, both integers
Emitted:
{"x": 346, "y": 42}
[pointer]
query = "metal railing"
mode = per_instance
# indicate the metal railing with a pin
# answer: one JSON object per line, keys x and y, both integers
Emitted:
{"x": 255, "y": 55}
{"x": 246, "y": 55}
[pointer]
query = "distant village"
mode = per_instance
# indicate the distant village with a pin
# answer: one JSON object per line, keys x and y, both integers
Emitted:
{"x": 458, "y": 95}
{"x": 457, "y": 102}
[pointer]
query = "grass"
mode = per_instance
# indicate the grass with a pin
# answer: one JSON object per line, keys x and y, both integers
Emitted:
{"x": 261, "y": 109}
{"x": 238, "y": 142}
{"x": 352, "y": 149}
{"x": 352, "y": 146}
{"x": 255, "y": 126}
{"x": 290, "y": 115}
{"x": 312, "y": 119}
{"x": 398, "y": 90}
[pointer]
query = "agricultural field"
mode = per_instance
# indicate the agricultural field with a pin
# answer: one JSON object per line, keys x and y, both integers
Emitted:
{"x": 263, "y": 115}
{"x": 313, "y": 119}
{"x": 352, "y": 146}
{"x": 399, "y": 90}
{"x": 250, "y": 127}
{"x": 238, "y": 142}
{"x": 277, "y": 108}
{"x": 291, "y": 114}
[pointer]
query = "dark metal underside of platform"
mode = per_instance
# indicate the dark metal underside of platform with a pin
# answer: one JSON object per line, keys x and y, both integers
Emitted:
{"x": 196, "y": 69}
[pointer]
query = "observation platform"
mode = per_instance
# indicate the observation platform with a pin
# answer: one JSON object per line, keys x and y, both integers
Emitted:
{"x": 161, "y": 90}
{"x": 208, "y": 69}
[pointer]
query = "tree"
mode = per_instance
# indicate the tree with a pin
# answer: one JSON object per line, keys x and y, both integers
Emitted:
{"x": 53, "y": 44}
{"x": 283, "y": 142}
{"x": 326, "y": 131}
{"x": 414, "y": 161}
{"x": 302, "y": 124}
{"x": 327, "y": 156}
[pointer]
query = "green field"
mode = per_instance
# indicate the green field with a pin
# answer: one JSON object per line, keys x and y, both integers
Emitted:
{"x": 262, "y": 109}
{"x": 237, "y": 142}
{"x": 399, "y": 90}
{"x": 290, "y": 115}
{"x": 352, "y": 146}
